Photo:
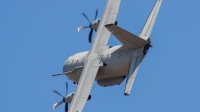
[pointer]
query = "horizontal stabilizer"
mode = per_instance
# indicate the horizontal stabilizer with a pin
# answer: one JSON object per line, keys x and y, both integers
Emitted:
{"x": 129, "y": 40}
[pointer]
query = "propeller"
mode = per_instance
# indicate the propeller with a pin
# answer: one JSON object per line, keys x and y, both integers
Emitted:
{"x": 59, "y": 103}
{"x": 84, "y": 27}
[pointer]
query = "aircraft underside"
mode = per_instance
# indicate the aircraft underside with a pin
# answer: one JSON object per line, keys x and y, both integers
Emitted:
{"x": 113, "y": 71}
{"x": 108, "y": 65}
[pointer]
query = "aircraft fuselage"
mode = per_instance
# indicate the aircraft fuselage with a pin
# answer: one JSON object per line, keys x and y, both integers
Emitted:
{"x": 115, "y": 64}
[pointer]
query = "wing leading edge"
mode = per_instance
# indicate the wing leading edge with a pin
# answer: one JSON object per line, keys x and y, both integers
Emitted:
{"x": 93, "y": 59}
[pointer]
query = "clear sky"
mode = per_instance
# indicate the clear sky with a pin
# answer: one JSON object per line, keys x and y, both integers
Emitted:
{"x": 37, "y": 36}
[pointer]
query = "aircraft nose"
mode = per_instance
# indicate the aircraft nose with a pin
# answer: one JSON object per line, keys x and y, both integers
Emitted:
{"x": 66, "y": 65}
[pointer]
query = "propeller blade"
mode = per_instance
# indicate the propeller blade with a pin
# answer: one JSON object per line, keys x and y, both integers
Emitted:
{"x": 66, "y": 107}
{"x": 57, "y": 104}
{"x": 90, "y": 35}
{"x": 66, "y": 88}
{"x": 96, "y": 14}
{"x": 57, "y": 93}
{"x": 83, "y": 27}
{"x": 86, "y": 17}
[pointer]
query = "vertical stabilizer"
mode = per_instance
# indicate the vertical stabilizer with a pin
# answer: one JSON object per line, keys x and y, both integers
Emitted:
{"x": 146, "y": 31}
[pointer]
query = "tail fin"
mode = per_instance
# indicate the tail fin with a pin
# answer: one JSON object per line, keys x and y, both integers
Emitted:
{"x": 147, "y": 29}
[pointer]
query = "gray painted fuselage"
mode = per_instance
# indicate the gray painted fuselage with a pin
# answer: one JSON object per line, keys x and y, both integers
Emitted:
{"x": 117, "y": 64}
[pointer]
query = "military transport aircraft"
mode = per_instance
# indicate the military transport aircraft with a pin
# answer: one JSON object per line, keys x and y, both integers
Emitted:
{"x": 108, "y": 65}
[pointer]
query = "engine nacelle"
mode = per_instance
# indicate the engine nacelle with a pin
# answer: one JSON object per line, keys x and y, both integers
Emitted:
{"x": 111, "y": 81}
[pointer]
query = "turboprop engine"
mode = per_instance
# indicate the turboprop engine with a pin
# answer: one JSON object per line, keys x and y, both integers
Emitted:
{"x": 67, "y": 99}
{"x": 93, "y": 25}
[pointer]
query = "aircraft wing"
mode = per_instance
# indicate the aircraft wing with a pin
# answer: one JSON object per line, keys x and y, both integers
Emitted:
{"x": 93, "y": 59}
{"x": 109, "y": 17}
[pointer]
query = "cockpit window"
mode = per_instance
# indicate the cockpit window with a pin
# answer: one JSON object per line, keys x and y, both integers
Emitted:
{"x": 68, "y": 61}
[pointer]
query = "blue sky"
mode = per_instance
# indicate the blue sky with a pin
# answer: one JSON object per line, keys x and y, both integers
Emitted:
{"x": 36, "y": 37}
